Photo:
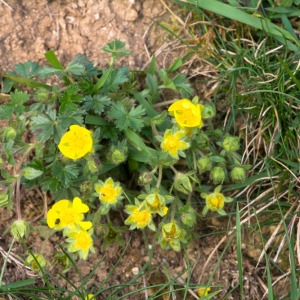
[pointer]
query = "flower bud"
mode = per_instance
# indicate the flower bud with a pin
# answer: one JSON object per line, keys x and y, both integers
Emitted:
{"x": 231, "y": 143}
{"x": 118, "y": 156}
{"x": 20, "y": 229}
{"x": 209, "y": 111}
{"x": 182, "y": 183}
{"x": 238, "y": 174}
{"x": 188, "y": 218}
{"x": 204, "y": 164}
{"x": 145, "y": 178}
{"x": 217, "y": 175}
{"x": 41, "y": 95}
{"x": 202, "y": 141}
{"x": 8, "y": 134}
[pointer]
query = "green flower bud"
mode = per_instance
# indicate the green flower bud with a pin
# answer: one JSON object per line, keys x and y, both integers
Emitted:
{"x": 118, "y": 156}
{"x": 145, "y": 178}
{"x": 238, "y": 174}
{"x": 217, "y": 175}
{"x": 188, "y": 218}
{"x": 41, "y": 95}
{"x": 93, "y": 165}
{"x": 204, "y": 164}
{"x": 8, "y": 134}
{"x": 20, "y": 229}
{"x": 202, "y": 141}
{"x": 209, "y": 111}
{"x": 182, "y": 183}
{"x": 231, "y": 143}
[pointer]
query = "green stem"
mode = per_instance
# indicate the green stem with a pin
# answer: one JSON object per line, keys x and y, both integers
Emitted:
{"x": 5, "y": 262}
{"x": 160, "y": 168}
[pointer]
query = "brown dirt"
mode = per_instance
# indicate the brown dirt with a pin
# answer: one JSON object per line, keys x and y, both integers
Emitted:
{"x": 30, "y": 28}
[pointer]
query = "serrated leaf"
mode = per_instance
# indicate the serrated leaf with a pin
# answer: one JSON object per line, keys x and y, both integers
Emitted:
{"x": 116, "y": 48}
{"x": 68, "y": 99}
{"x": 46, "y": 72}
{"x": 31, "y": 173}
{"x": 89, "y": 68}
{"x": 96, "y": 103}
{"x": 43, "y": 125}
{"x": 18, "y": 98}
{"x": 65, "y": 173}
{"x": 118, "y": 77}
{"x": 50, "y": 184}
{"x": 75, "y": 68}
{"x": 6, "y": 111}
{"x": 28, "y": 70}
{"x": 124, "y": 119}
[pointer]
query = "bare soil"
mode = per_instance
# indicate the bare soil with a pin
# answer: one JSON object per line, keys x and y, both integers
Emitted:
{"x": 28, "y": 29}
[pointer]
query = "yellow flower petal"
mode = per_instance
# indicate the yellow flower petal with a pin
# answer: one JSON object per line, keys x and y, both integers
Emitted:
{"x": 76, "y": 143}
{"x": 187, "y": 114}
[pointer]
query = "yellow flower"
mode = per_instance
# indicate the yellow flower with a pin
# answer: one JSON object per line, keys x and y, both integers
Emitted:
{"x": 109, "y": 192}
{"x": 67, "y": 214}
{"x": 172, "y": 142}
{"x": 80, "y": 241}
{"x": 89, "y": 296}
{"x": 203, "y": 291}
{"x": 76, "y": 143}
{"x": 138, "y": 218}
{"x": 186, "y": 113}
{"x": 215, "y": 201}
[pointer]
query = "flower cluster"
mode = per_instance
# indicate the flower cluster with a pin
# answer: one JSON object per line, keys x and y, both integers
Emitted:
{"x": 141, "y": 214}
{"x": 68, "y": 216}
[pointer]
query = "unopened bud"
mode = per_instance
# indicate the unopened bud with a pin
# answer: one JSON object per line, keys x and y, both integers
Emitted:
{"x": 238, "y": 174}
{"x": 145, "y": 178}
{"x": 217, "y": 175}
{"x": 209, "y": 111}
{"x": 8, "y": 134}
{"x": 41, "y": 95}
{"x": 188, "y": 218}
{"x": 20, "y": 229}
{"x": 204, "y": 164}
{"x": 182, "y": 183}
{"x": 231, "y": 143}
{"x": 118, "y": 156}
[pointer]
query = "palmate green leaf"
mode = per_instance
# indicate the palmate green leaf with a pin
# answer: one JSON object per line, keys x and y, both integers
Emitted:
{"x": 125, "y": 119}
{"x": 81, "y": 59}
{"x": 50, "y": 184}
{"x": 65, "y": 173}
{"x": 96, "y": 103}
{"x": 75, "y": 68}
{"x": 17, "y": 100}
{"x": 117, "y": 77}
{"x": 6, "y": 111}
{"x": 68, "y": 99}
{"x": 28, "y": 70}
{"x": 43, "y": 125}
{"x": 116, "y": 48}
